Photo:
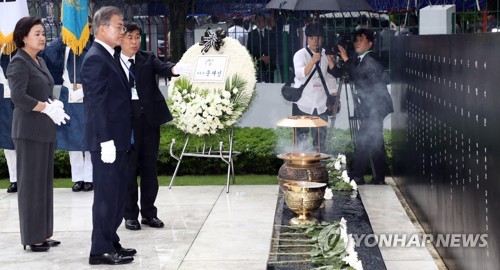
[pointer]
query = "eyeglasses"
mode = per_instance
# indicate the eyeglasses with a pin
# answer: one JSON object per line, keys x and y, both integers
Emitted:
{"x": 120, "y": 28}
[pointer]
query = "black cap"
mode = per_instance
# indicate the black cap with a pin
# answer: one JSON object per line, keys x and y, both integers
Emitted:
{"x": 315, "y": 30}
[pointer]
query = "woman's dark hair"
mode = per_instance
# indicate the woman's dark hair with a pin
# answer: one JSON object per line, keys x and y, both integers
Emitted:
{"x": 23, "y": 27}
{"x": 315, "y": 30}
{"x": 131, "y": 27}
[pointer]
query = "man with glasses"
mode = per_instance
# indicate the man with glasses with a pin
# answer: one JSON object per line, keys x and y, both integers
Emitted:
{"x": 149, "y": 112}
{"x": 372, "y": 103}
{"x": 108, "y": 130}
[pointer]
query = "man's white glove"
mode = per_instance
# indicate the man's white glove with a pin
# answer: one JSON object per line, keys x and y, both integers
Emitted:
{"x": 108, "y": 151}
{"x": 182, "y": 69}
{"x": 55, "y": 113}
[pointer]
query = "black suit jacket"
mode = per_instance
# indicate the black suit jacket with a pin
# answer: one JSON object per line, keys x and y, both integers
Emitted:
{"x": 152, "y": 101}
{"x": 107, "y": 100}
{"x": 370, "y": 82}
{"x": 30, "y": 83}
{"x": 258, "y": 46}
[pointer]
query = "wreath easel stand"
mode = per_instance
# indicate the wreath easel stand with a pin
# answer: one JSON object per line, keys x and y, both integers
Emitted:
{"x": 213, "y": 97}
{"x": 226, "y": 156}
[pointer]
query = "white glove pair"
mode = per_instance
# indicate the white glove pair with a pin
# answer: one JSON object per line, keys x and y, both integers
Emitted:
{"x": 182, "y": 69}
{"x": 55, "y": 110}
{"x": 108, "y": 151}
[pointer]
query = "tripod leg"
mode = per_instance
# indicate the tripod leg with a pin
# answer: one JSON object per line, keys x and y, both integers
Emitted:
{"x": 333, "y": 118}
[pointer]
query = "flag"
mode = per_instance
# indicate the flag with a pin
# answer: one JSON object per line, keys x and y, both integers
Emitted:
{"x": 10, "y": 13}
{"x": 75, "y": 26}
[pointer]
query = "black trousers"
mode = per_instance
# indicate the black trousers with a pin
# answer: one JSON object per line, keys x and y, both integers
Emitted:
{"x": 303, "y": 133}
{"x": 265, "y": 74}
{"x": 142, "y": 159}
{"x": 369, "y": 148}
{"x": 110, "y": 192}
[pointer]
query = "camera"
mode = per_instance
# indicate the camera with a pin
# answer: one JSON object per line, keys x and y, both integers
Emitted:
{"x": 343, "y": 39}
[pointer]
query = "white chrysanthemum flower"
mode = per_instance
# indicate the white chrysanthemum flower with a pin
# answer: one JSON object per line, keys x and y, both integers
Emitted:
{"x": 337, "y": 165}
{"x": 226, "y": 102}
{"x": 353, "y": 261}
{"x": 358, "y": 265}
{"x": 345, "y": 177}
{"x": 342, "y": 159}
{"x": 199, "y": 111}
{"x": 328, "y": 194}
{"x": 351, "y": 244}
{"x": 354, "y": 185}
{"x": 226, "y": 94}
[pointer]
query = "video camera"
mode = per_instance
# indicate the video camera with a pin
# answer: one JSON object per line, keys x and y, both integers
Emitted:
{"x": 343, "y": 39}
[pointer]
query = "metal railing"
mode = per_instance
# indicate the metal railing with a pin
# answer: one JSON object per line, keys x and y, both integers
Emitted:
{"x": 285, "y": 28}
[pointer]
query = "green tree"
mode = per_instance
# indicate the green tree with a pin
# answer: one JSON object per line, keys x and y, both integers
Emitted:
{"x": 178, "y": 10}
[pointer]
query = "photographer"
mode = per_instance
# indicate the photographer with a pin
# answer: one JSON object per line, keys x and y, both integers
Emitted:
{"x": 314, "y": 98}
{"x": 372, "y": 104}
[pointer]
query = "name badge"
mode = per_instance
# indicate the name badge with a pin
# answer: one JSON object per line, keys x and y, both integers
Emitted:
{"x": 134, "y": 94}
{"x": 317, "y": 85}
{"x": 6, "y": 91}
{"x": 75, "y": 94}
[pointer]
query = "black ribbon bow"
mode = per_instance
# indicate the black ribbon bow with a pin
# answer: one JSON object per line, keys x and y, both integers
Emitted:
{"x": 212, "y": 39}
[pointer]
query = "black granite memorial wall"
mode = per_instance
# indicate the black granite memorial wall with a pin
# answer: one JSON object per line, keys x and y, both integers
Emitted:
{"x": 446, "y": 133}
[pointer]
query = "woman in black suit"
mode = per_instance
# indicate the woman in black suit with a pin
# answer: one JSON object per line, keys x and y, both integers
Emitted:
{"x": 34, "y": 133}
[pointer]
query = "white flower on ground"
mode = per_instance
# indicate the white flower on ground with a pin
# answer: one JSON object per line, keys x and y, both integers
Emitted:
{"x": 342, "y": 159}
{"x": 337, "y": 165}
{"x": 354, "y": 185}
{"x": 345, "y": 177}
{"x": 353, "y": 261}
{"x": 328, "y": 194}
{"x": 352, "y": 255}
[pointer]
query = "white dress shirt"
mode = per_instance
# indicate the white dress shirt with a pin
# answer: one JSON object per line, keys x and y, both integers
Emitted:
{"x": 313, "y": 96}
{"x": 108, "y": 48}
{"x": 126, "y": 64}
{"x": 239, "y": 33}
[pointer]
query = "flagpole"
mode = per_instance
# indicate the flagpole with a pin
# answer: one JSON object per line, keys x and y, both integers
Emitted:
{"x": 74, "y": 71}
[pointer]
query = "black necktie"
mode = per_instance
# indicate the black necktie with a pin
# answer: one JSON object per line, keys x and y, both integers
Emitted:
{"x": 131, "y": 73}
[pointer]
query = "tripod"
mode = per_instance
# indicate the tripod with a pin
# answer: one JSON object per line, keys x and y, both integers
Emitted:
{"x": 344, "y": 82}
{"x": 354, "y": 121}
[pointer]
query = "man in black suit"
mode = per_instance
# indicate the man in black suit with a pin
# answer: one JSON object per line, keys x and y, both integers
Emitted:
{"x": 149, "y": 112}
{"x": 372, "y": 104}
{"x": 261, "y": 46}
{"x": 108, "y": 129}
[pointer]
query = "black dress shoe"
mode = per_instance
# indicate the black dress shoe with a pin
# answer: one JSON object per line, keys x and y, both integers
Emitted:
{"x": 126, "y": 251}
{"x": 78, "y": 186}
{"x": 109, "y": 258}
{"x": 132, "y": 224}
{"x": 53, "y": 242}
{"x": 153, "y": 222}
{"x": 12, "y": 188}
{"x": 38, "y": 248}
{"x": 87, "y": 186}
